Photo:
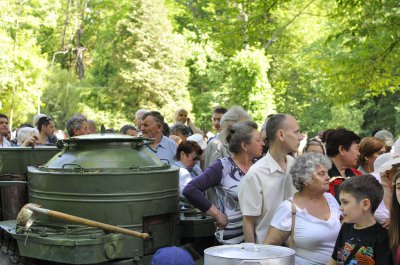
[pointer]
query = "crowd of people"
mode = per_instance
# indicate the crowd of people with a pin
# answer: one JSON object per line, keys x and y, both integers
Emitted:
{"x": 336, "y": 201}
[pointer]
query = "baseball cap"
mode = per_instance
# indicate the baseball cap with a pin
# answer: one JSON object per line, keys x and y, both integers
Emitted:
{"x": 386, "y": 136}
{"x": 197, "y": 137}
{"x": 385, "y": 162}
{"x": 37, "y": 118}
{"x": 172, "y": 256}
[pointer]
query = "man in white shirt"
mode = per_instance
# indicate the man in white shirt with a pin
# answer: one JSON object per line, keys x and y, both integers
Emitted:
{"x": 3, "y": 131}
{"x": 268, "y": 183}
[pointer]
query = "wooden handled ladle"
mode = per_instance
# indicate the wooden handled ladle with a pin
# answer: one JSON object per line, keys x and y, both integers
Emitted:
{"x": 29, "y": 213}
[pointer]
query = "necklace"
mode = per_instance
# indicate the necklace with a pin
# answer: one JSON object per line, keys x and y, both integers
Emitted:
{"x": 241, "y": 167}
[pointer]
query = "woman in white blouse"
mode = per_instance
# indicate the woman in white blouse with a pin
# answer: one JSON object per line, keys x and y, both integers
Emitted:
{"x": 317, "y": 213}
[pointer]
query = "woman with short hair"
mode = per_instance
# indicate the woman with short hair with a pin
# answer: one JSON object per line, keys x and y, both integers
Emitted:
{"x": 370, "y": 149}
{"x": 224, "y": 175}
{"x": 317, "y": 219}
{"x": 187, "y": 155}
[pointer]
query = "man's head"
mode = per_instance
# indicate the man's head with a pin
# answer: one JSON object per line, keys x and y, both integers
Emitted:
{"x": 128, "y": 129}
{"x": 216, "y": 118}
{"x": 45, "y": 126}
{"x": 77, "y": 125}
{"x": 387, "y": 137}
{"x": 139, "y": 117}
{"x": 180, "y": 130}
{"x": 3, "y": 125}
{"x": 359, "y": 195}
{"x": 283, "y": 130}
{"x": 343, "y": 145}
{"x": 152, "y": 124}
{"x": 232, "y": 116}
{"x": 91, "y": 126}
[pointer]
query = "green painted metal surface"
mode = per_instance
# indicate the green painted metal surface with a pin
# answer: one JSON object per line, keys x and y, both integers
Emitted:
{"x": 107, "y": 178}
{"x": 15, "y": 160}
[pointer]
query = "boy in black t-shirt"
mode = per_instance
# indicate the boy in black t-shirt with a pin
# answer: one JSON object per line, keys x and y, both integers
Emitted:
{"x": 361, "y": 239}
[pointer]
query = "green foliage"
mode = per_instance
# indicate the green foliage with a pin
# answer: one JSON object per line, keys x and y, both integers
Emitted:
{"x": 249, "y": 84}
{"x": 61, "y": 96}
{"x": 329, "y": 63}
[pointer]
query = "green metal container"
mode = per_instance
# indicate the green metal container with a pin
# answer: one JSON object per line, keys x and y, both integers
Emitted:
{"x": 107, "y": 178}
{"x": 14, "y": 162}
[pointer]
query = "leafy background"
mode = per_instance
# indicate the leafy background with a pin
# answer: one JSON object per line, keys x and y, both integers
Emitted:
{"x": 329, "y": 63}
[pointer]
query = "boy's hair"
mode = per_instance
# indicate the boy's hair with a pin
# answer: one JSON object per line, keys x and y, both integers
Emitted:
{"x": 364, "y": 187}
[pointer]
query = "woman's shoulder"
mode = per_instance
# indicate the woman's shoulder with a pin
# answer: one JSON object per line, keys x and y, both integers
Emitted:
{"x": 332, "y": 202}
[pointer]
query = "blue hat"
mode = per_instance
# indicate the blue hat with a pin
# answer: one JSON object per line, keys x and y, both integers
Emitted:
{"x": 172, "y": 256}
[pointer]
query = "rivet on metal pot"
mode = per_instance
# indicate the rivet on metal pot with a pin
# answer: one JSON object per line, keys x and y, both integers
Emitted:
{"x": 109, "y": 250}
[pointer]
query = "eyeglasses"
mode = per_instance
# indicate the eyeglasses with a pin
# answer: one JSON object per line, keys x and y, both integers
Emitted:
{"x": 196, "y": 158}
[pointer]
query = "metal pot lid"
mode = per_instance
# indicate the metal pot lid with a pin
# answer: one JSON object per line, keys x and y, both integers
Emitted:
{"x": 249, "y": 251}
{"x": 106, "y": 137}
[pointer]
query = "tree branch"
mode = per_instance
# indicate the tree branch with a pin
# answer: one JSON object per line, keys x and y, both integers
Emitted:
{"x": 286, "y": 25}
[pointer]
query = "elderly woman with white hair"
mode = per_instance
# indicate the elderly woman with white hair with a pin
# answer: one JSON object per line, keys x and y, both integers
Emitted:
{"x": 218, "y": 147}
{"x": 27, "y": 136}
{"x": 317, "y": 219}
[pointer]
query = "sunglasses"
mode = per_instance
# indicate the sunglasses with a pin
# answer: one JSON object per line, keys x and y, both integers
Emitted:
{"x": 196, "y": 158}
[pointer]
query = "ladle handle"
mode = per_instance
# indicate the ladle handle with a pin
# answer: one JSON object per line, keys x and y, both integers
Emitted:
{"x": 79, "y": 220}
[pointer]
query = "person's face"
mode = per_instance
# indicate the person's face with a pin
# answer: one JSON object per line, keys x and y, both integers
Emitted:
{"x": 397, "y": 187}
{"x": 150, "y": 128}
{"x": 3, "y": 126}
{"x": 316, "y": 148}
{"x": 181, "y": 136}
{"x": 189, "y": 160}
{"x": 371, "y": 159}
{"x": 83, "y": 130}
{"x": 49, "y": 129}
{"x": 131, "y": 132}
{"x": 138, "y": 122}
{"x": 182, "y": 117}
{"x": 92, "y": 128}
{"x": 8, "y": 136}
{"x": 255, "y": 147}
{"x": 350, "y": 157}
{"x": 291, "y": 134}
{"x": 216, "y": 120}
{"x": 319, "y": 179}
{"x": 351, "y": 209}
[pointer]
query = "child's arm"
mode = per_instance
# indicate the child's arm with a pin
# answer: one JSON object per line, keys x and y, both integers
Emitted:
{"x": 331, "y": 262}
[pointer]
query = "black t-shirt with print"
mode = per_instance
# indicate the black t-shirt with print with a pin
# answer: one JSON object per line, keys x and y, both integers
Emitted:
{"x": 374, "y": 241}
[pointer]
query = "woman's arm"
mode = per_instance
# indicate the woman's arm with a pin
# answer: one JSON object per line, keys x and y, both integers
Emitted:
{"x": 220, "y": 219}
{"x": 194, "y": 190}
{"x": 194, "y": 128}
{"x": 276, "y": 236}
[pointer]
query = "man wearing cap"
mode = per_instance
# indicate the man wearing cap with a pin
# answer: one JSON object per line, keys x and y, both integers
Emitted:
{"x": 387, "y": 137}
